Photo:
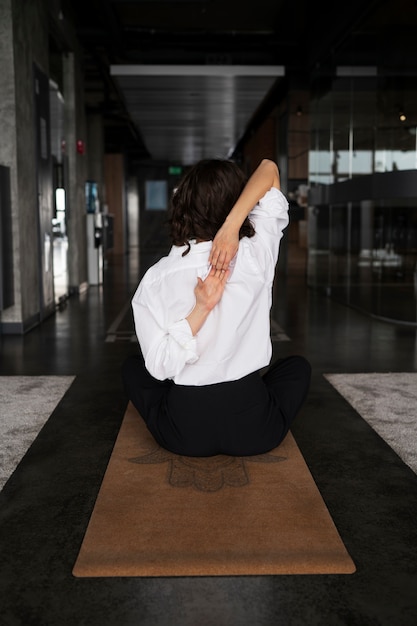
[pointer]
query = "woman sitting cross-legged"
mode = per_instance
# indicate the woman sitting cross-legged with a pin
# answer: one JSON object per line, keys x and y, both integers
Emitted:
{"x": 202, "y": 318}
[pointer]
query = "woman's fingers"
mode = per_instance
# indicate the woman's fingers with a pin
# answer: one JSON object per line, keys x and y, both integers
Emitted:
{"x": 216, "y": 258}
{"x": 209, "y": 292}
{"x": 224, "y": 247}
{"x": 219, "y": 273}
{"x": 220, "y": 255}
{"x": 216, "y": 279}
{"x": 219, "y": 260}
{"x": 223, "y": 274}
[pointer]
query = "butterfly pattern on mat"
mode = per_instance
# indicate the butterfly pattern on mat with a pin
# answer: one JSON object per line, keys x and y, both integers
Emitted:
{"x": 206, "y": 473}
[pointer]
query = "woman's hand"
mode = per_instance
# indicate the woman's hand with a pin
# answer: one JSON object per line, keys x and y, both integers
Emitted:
{"x": 225, "y": 245}
{"x": 208, "y": 293}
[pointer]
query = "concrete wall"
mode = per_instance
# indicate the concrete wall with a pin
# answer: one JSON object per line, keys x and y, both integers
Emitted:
{"x": 24, "y": 41}
{"x": 24, "y": 36}
{"x": 8, "y": 147}
{"x": 75, "y": 130}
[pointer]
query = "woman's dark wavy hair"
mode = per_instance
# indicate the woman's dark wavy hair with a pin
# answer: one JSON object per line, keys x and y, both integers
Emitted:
{"x": 203, "y": 200}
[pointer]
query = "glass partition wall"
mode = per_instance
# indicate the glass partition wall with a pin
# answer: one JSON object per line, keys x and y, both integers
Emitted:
{"x": 362, "y": 214}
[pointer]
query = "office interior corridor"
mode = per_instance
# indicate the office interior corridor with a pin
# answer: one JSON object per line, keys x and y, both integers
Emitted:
{"x": 47, "y": 501}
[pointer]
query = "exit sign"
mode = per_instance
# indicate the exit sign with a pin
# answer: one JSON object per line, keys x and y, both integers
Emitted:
{"x": 175, "y": 170}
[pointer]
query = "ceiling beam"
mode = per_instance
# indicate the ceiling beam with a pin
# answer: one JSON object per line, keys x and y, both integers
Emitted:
{"x": 197, "y": 70}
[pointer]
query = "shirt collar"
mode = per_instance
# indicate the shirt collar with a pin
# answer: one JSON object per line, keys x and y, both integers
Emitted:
{"x": 203, "y": 246}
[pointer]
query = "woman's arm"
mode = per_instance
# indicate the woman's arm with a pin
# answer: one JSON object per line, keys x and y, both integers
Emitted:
{"x": 226, "y": 241}
{"x": 167, "y": 349}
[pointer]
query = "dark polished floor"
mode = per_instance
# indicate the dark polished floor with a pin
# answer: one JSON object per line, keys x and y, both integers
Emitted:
{"x": 46, "y": 504}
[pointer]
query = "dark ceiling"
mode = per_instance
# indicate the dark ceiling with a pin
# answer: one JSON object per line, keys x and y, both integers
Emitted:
{"x": 178, "y": 81}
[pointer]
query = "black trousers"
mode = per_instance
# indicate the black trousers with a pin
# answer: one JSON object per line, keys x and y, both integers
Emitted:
{"x": 239, "y": 418}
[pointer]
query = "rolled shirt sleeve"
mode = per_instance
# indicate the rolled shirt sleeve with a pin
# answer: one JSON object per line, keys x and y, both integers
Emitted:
{"x": 180, "y": 333}
{"x": 166, "y": 350}
{"x": 270, "y": 217}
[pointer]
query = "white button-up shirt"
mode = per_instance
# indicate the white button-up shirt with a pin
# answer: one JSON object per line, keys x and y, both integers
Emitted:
{"x": 235, "y": 339}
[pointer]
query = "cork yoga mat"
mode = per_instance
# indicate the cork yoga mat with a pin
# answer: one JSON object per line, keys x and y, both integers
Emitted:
{"x": 160, "y": 514}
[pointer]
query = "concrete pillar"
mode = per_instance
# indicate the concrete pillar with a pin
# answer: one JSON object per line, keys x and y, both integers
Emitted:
{"x": 77, "y": 167}
{"x": 8, "y": 148}
{"x": 23, "y": 42}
